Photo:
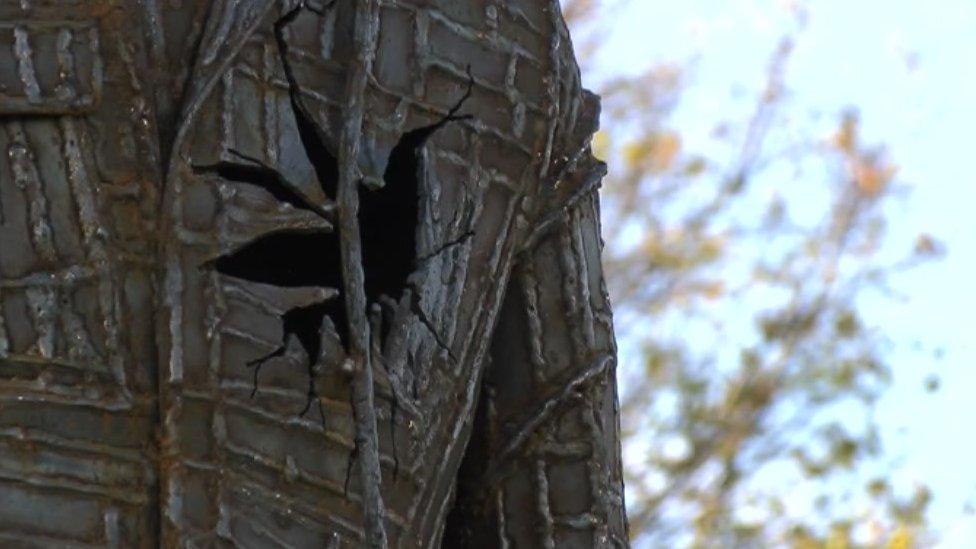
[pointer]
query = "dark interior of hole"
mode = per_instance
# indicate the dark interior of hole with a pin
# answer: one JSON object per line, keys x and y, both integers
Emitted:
{"x": 289, "y": 259}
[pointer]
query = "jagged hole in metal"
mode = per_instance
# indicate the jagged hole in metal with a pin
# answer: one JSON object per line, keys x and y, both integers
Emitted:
{"x": 388, "y": 219}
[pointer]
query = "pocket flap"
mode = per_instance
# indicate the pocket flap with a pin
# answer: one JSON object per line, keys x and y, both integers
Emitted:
{"x": 49, "y": 67}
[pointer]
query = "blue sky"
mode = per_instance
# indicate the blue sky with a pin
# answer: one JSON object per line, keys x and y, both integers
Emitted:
{"x": 909, "y": 68}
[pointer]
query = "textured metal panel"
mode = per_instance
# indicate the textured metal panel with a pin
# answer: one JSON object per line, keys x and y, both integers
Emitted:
{"x": 77, "y": 358}
{"x": 49, "y": 67}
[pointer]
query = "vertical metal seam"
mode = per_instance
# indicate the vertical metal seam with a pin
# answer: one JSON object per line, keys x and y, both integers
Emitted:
{"x": 530, "y": 289}
{"x": 25, "y": 64}
{"x": 269, "y": 104}
{"x": 547, "y": 529}
{"x": 586, "y": 305}
{"x": 364, "y": 39}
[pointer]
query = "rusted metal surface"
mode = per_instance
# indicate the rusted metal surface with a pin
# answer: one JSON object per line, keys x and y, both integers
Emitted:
{"x": 166, "y": 166}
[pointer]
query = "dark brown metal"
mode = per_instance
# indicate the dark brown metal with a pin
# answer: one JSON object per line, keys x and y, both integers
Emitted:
{"x": 189, "y": 188}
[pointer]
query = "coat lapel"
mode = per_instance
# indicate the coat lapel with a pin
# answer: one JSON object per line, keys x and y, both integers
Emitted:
{"x": 227, "y": 30}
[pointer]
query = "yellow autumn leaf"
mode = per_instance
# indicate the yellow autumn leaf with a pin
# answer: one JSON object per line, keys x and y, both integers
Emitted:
{"x": 872, "y": 177}
{"x": 634, "y": 153}
{"x": 713, "y": 290}
{"x": 901, "y": 539}
{"x": 655, "y": 153}
{"x": 665, "y": 150}
{"x": 846, "y": 137}
{"x": 839, "y": 538}
{"x": 601, "y": 144}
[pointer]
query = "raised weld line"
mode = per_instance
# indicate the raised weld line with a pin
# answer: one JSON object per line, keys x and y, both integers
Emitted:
{"x": 317, "y": 59}
{"x": 29, "y": 392}
{"x": 199, "y": 465}
{"x": 585, "y": 521}
{"x": 39, "y": 540}
{"x": 547, "y": 529}
{"x": 87, "y": 470}
{"x": 518, "y": 13}
{"x": 600, "y": 476}
{"x": 500, "y": 43}
{"x": 552, "y": 96}
{"x": 312, "y": 479}
{"x": 96, "y": 368}
{"x": 227, "y": 19}
{"x": 316, "y": 96}
{"x": 27, "y": 179}
{"x": 536, "y": 337}
{"x": 84, "y": 195}
{"x": 227, "y": 125}
{"x": 336, "y": 488}
{"x": 311, "y": 515}
{"x": 53, "y": 441}
{"x": 576, "y": 450}
{"x": 525, "y": 431}
{"x": 25, "y": 64}
{"x": 67, "y": 277}
{"x": 138, "y": 496}
{"x": 570, "y": 277}
{"x": 66, "y": 64}
{"x": 440, "y": 522}
{"x": 473, "y": 126}
{"x": 592, "y": 180}
{"x": 333, "y": 405}
{"x": 504, "y": 542}
{"x": 98, "y": 65}
{"x": 247, "y": 336}
{"x": 290, "y": 421}
{"x": 579, "y": 250}
{"x": 269, "y": 104}
{"x": 43, "y": 310}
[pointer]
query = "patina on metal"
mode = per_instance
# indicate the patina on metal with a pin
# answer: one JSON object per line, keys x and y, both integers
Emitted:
{"x": 301, "y": 274}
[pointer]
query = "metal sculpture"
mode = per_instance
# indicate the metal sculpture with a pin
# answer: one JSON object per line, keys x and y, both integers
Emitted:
{"x": 301, "y": 274}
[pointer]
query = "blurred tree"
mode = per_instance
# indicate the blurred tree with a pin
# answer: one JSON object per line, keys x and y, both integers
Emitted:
{"x": 736, "y": 276}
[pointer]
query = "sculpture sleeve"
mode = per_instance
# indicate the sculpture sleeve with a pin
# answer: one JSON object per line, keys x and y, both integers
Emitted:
{"x": 543, "y": 465}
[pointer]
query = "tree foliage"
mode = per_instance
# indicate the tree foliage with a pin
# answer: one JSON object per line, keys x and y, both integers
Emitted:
{"x": 737, "y": 267}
